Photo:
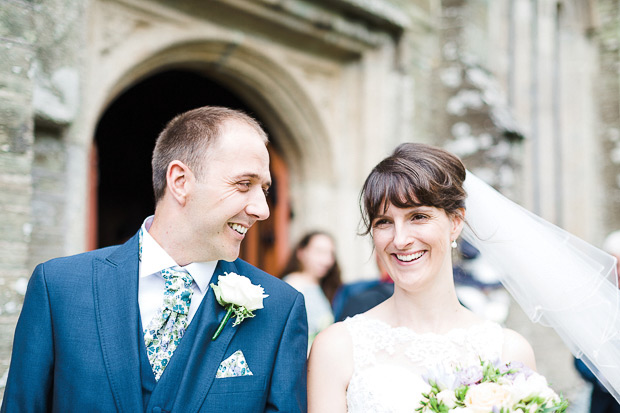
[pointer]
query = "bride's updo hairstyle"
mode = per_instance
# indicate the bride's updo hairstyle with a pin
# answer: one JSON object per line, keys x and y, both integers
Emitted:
{"x": 414, "y": 175}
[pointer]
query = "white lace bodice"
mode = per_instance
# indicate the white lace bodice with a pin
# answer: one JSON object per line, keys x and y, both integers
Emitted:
{"x": 388, "y": 362}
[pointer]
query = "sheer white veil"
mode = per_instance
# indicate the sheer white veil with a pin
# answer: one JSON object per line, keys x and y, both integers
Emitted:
{"x": 558, "y": 279}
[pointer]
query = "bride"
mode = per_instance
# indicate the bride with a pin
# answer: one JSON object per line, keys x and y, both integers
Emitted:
{"x": 414, "y": 209}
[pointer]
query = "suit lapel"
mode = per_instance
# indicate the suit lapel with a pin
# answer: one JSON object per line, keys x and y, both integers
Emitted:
{"x": 205, "y": 355}
{"x": 115, "y": 284}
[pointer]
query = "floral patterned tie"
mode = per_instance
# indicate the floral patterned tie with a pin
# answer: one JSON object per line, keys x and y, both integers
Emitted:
{"x": 165, "y": 330}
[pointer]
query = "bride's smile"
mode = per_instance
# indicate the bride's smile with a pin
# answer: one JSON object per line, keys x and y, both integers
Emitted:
{"x": 414, "y": 243}
{"x": 409, "y": 257}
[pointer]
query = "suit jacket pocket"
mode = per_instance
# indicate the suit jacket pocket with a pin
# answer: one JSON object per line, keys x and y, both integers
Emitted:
{"x": 240, "y": 384}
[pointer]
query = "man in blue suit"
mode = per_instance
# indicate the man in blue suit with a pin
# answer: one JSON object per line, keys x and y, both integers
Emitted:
{"x": 97, "y": 332}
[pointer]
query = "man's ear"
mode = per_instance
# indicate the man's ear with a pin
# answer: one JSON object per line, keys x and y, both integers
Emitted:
{"x": 179, "y": 180}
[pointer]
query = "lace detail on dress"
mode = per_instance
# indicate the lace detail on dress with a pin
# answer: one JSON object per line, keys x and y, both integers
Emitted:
{"x": 388, "y": 362}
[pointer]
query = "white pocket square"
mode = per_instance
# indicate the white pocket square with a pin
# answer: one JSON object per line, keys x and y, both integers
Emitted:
{"x": 234, "y": 366}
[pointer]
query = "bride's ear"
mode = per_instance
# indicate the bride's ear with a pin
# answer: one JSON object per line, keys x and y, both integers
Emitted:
{"x": 458, "y": 220}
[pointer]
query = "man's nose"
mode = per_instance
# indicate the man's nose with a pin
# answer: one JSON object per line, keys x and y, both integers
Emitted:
{"x": 258, "y": 206}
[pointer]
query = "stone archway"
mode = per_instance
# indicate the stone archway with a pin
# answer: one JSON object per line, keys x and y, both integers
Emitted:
{"x": 124, "y": 140}
{"x": 273, "y": 93}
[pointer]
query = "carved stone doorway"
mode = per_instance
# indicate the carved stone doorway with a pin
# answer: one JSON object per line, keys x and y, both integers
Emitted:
{"x": 121, "y": 170}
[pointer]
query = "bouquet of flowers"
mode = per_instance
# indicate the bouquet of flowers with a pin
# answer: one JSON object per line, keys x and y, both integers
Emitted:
{"x": 491, "y": 387}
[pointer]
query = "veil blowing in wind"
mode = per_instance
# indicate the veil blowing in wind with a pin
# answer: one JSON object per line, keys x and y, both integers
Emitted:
{"x": 558, "y": 279}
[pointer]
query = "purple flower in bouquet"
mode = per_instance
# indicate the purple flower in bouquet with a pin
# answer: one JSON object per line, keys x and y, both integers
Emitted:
{"x": 499, "y": 365}
{"x": 516, "y": 367}
{"x": 442, "y": 377}
{"x": 470, "y": 375}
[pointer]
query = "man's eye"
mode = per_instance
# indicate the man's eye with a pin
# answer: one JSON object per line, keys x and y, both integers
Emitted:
{"x": 245, "y": 186}
{"x": 266, "y": 192}
{"x": 418, "y": 217}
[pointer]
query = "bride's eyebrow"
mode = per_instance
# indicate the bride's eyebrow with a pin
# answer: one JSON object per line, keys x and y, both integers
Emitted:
{"x": 419, "y": 208}
{"x": 380, "y": 216}
{"x": 426, "y": 207}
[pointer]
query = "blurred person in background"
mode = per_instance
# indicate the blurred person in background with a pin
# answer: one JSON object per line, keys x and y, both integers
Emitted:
{"x": 477, "y": 284}
{"x": 360, "y": 296}
{"x": 313, "y": 270}
{"x": 601, "y": 401}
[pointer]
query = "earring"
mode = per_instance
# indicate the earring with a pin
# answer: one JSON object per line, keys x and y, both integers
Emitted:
{"x": 453, "y": 245}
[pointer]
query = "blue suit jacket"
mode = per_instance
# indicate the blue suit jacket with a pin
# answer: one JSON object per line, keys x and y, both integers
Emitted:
{"x": 77, "y": 344}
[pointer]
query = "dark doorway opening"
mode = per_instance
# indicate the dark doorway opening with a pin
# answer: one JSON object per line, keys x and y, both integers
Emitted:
{"x": 124, "y": 141}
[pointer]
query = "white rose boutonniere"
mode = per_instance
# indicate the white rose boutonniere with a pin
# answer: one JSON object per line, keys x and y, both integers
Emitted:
{"x": 238, "y": 295}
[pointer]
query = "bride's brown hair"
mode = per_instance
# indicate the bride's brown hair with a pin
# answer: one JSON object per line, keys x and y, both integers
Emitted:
{"x": 416, "y": 174}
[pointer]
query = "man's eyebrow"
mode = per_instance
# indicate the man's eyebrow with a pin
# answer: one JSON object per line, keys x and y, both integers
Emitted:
{"x": 252, "y": 175}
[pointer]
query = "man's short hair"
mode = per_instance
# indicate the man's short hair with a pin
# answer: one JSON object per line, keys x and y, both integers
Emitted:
{"x": 188, "y": 137}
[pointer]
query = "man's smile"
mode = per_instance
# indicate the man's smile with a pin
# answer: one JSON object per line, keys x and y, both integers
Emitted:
{"x": 238, "y": 228}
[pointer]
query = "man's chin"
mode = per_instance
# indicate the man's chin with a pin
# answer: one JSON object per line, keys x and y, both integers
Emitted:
{"x": 230, "y": 256}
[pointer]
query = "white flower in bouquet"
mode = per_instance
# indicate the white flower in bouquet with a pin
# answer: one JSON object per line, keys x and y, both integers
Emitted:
{"x": 442, "y": 376}
{"x": 482, "y": 398}
{"x": 533, "y": 408}
{"x": 534, "y": 385}
{"x": 490, "y": 387}
{"x": 448, "y": 398}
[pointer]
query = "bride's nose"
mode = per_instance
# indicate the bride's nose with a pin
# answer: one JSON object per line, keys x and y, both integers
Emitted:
{"x": 403, "y": 237}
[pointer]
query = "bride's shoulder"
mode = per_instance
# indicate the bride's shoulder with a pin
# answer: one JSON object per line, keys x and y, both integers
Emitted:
{"x": 517, "y": 348}
{"x": 335, "y": 337}
{"x": 332, "y": 347}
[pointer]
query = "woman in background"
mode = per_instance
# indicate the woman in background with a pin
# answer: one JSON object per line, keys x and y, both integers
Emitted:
{"x": 313, "y": 270}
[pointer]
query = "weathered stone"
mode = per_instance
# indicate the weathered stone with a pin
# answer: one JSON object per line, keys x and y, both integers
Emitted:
{"x": 16, "y": 55}
{"x": 17, "y": 21}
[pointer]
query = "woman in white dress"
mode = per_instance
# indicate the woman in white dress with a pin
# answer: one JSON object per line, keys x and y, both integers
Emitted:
{"x": 414, "y": 209}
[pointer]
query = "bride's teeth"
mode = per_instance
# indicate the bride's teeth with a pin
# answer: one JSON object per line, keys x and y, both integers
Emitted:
{"x": 410, "y": 257}
{"x": 239, "y": 228}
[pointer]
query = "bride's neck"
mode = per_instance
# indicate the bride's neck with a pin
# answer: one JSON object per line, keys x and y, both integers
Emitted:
{"x": 431, "y": 311}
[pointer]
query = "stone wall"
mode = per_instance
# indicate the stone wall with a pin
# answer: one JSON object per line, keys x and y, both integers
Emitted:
{"x": 608, "y": 91}
{"x": 40, "y": 51}
{"x": 17, "y": 54}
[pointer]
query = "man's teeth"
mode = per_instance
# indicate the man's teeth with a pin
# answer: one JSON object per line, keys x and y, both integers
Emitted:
{"x": 239, "y": 228}
{"x": 410, "y": 257}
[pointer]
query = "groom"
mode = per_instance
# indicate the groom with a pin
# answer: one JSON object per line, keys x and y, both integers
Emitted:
{"x": 129, "y": 328}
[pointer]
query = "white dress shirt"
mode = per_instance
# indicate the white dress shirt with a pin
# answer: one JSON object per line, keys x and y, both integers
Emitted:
{"x": 151, "y": 285}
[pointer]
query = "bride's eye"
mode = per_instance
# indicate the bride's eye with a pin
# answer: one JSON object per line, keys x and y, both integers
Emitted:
{"x": 380, "y": 223}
